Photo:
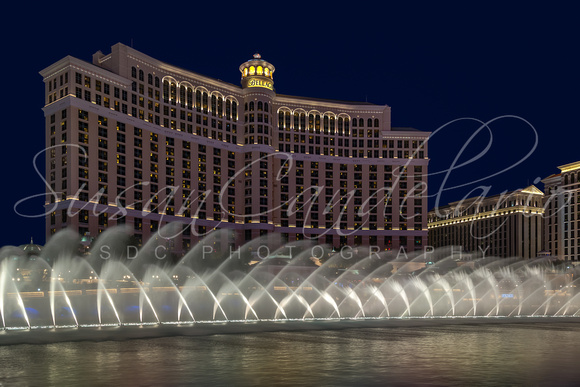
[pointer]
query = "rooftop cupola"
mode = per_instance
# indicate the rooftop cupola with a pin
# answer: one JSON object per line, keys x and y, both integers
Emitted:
{"x": 257, "y": 73}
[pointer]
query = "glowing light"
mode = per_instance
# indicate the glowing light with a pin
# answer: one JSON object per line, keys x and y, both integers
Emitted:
{"x": 259, "y": 82}
{"x": 570, "y": 167}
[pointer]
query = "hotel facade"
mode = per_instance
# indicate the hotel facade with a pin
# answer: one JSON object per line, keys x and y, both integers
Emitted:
{"x": 505, "y": 225}
{"x": 562, "y": 220}
{"x": 136, "y": 141}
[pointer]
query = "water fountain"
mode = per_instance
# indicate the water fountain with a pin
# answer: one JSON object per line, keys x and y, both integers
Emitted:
{"x": 113, "y": 291}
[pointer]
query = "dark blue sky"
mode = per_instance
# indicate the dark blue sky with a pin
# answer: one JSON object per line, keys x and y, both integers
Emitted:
{"x": 432, "y": 64}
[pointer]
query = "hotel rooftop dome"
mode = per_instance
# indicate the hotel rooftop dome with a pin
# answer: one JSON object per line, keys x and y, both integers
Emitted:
{"x": 257, "y": 72}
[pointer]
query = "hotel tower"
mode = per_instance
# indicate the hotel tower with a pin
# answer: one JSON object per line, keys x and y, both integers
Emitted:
{"x": 133, "y": 140}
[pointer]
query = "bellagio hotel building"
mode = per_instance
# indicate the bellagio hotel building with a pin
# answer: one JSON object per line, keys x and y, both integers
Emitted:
{"x": 136, "y": 141}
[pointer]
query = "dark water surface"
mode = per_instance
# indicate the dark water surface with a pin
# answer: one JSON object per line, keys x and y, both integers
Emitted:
{"x": 459, "y": 355}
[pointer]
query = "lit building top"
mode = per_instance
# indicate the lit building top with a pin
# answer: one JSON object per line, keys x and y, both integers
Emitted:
{"x": 570, "y": 167}
{"x": 526, "y": 200}
{"x": 257, "y": 73}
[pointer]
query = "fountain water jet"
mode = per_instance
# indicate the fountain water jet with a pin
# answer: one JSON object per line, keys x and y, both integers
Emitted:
{"x": 62, "y": 289}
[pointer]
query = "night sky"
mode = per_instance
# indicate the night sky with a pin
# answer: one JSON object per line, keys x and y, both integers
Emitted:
{"x": 437, "y": 67}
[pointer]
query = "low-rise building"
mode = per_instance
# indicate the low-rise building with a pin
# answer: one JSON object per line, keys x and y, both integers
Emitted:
{"x": 562, "y": 220}
{"x": 506, "y": 225}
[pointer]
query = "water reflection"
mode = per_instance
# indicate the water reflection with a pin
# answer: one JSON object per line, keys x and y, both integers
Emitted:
{"x": 507, "y": 354}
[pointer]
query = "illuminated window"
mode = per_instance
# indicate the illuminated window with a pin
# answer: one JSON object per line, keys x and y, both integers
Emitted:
{"x": 259, "y": 70}
{"x": 252, "y": 70}
{"x": 204, "y": 104}
{"x": 267, "y": 72}
{"x": 173, "y": 91}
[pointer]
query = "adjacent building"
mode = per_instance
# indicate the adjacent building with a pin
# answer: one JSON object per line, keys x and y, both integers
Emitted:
{"x": 562, "y": 220}
{"x": 133, "y": 140}
{"x": 505, "y": 225}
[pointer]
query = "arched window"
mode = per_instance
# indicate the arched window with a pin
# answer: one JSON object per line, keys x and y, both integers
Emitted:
{"x": 354, "y": 123}
{"x": 220, "y": 107}
{"x": 182, "y": 95}
{"x": 198, "y": 100}
{"x": 259, "y": 70}
{"x": 156, "y": 81}
{"x": 189, "y": 97}
{"x": 204, "y": 102}
{"x": 266, "y": 108}
{"x": 166, "y": 91}
{"x": 228, "y": 109}
{"x": 287, "y": 120}
{"x": 213, "y": 105}
{"x": 376, "y": 122}
{"x": 150, "y": 79}
{"x": 173, "y": 96}
{"x": 141, "y": 75}
{"x": 260, "y": 106}
{"x": 134, "y": 72}
{"x": 252, "y": 70}
{"x": 370, "y": 122}
{"x": 234, "y": 110}
{"x": 346, "y": 126}
{"x": 311, "y": 122}
{"x": 251, "y": 106}
{"x": 296, "y": 121}
{"x": 281, "y": 119}
{"x": 340, "y": 125}
{"x": 361, "y": 122}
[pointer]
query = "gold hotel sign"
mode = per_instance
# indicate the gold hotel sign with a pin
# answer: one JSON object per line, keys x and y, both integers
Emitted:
{"x": 259, "y": 82}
